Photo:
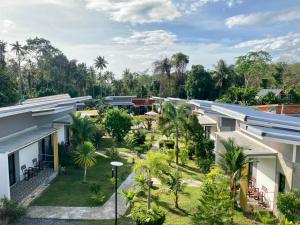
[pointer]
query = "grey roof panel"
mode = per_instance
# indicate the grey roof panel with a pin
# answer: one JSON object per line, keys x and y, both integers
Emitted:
{"x": 264, "y": 92}
{"x": 22, "y": 140}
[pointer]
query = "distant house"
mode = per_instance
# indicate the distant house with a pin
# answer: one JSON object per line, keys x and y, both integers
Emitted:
{"x": 277, "y": 92}
{"x": 29, "y": 138}
{"x": 119, "y": 101}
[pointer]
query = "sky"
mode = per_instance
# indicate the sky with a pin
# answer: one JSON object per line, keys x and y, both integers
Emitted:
{"x": 134, "y": 33}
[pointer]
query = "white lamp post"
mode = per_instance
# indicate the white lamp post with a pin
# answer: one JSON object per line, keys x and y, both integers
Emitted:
{"x": 115, "y": 166}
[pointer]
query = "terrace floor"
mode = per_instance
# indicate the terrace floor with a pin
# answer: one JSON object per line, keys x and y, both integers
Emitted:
{"x": 26, "y": 188}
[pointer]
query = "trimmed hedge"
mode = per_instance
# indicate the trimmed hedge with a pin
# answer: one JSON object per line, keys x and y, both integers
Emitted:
{"x": 169, "y": 144}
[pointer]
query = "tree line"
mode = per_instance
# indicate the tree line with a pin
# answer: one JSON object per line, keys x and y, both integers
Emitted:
{"x": 37, "y": 68}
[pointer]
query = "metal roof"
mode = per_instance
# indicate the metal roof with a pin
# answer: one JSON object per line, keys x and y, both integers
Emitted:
{"x": 43, "y": 105}
{"x": 251, "y": 116}
{"x": 46, "y": 98}
{"x": 206, "y": 121}
{"x": 64, "y": 120}
{"x": 281, "y": 134}
{"x": 251, "y": 147}
{"x": 20, "y": 141}
{"x": 264, "y": 92}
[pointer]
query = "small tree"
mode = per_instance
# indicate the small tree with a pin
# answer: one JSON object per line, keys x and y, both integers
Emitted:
{"x": 289, "y": 205}
{"x": 129, "y": 196}
{"x": 154, "y": 165}
{"x": 215, "y": 200}
{"x": 82, "y": 129}
{"x": 117, "y": 123}
{"x": 85, "y": 156}
{"x": 175, "y": 185}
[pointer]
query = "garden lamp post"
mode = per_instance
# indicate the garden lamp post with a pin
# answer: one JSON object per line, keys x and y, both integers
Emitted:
{"x": 115, "y": 166}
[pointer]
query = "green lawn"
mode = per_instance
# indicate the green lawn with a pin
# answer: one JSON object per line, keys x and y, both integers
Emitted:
{"x": 68, "y": 189}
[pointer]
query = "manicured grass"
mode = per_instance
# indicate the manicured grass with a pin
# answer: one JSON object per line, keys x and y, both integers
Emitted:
{"x": 68, "y": 189}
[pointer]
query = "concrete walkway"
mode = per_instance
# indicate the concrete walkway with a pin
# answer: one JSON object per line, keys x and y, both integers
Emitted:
{"x": 103, "y": 212}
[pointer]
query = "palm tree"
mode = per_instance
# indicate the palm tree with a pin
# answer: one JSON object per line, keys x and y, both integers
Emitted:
{"x": 223, "y": 75}
{"x": 154, "y": 165}
{"x": 2, "y": 53}
{"x": 232, "y": 162}
{"x": 179, "y": 61}
{"x": 163, "y": 67}
{"x": 85, "y": 156}
{"x": 100, "y": 63}
{"x": 82, "y": 129}
{"x": 175, "y": 184}
{"x": 174, "y": 119}
{"x": 18, "y": 49}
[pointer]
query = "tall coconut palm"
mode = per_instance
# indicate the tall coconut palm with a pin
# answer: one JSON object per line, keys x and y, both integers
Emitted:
{"x": 20, "y": 52}
{"x": 82, "y": 129}
{"x": 154, "y": 166}
{"x": 232, "y": 162}
{"x": 174, "y": 119}
{"x": 85, "y": 156}
{"x": 163, "y": 67}
{"x": 100, "y": 63}
{"x": 179, "y": 62}
{"x": 223, "y": 75}
{"x": 2, "y": 53}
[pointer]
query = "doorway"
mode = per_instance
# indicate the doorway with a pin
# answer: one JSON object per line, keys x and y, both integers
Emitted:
{"x": 12, "y": 169}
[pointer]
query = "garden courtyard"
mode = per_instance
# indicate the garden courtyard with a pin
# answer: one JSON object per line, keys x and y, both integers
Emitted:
{"x": 169, "y": 175}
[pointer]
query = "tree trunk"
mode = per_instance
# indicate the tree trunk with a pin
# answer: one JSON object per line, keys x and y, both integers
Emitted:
{"x": 176, "y": 146}
{"x": 149, "y": 191}
{"x": 176, "y": 199}
{"x": 84, "y": 176}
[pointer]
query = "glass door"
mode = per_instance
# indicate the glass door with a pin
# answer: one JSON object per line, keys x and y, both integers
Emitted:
{"x": 12, "y": 169}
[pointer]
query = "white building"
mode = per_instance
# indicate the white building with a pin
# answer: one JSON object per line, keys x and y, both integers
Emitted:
{"x": 31, "y": 132}
{"x": 271, "y": 143}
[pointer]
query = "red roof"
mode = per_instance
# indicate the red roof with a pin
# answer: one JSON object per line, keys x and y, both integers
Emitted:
{"x": 143, "y": 101}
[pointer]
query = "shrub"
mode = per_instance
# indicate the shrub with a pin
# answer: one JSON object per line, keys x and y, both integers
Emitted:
{"x": 97, "y": 197}
{"x": 166, "y": 144}
{"x": 265, "y": 217}
{"x": 205, "y": 164}
{"x": 97, "y": 136}
{"x": 139, "y": 150}
{"x": 65, "y": 155}
{"x": 289, "y": 205}
{"x": 112, "y": 153}
{"x": 171, "y": 156}
{"x": 148, "y": 144}
{"x": 183, "y": 155}
{"x": 141, "y": 183}
{"x": 153, "y": 216}
{"x": 10, "y": 212}
{"x": 139, "y": 137}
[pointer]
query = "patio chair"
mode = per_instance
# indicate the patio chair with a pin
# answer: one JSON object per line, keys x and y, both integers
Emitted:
{"x": 36, "y": 164}
{"x": 27, "y": 173}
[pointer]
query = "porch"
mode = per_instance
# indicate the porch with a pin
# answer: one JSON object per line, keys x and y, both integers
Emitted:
{"x": 24, "y": 189}
{"x": 257, "y": 187}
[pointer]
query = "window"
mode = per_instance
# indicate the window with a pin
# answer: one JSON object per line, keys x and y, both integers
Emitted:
{"x": 281, "y": 183}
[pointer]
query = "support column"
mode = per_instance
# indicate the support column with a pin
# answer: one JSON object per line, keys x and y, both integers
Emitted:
{"x": 244, "y": 187}
{"x": 4, "y": 184}
{"x": 55, "y": 150}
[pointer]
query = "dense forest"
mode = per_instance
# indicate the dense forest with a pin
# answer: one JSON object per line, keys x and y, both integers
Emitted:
{"x": 38, "y": 68}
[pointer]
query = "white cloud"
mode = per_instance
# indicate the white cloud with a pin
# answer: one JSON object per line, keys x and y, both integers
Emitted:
{"x": 286, "y": 46}
{"x": 190, "y": 6}
{"x": 262, "y": 17}
{"x": 7, "y": 25}
{"x": 136, "y": 11}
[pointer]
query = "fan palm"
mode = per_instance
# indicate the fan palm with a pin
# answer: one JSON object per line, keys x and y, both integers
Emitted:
{"x": 232, "y": 162}
{"x": 85, "y": 156}
{"x": 174, "y": 119}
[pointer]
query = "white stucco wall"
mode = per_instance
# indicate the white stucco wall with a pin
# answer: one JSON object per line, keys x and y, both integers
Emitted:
{"x": 4, "y": 174}
{"x": 26, "y": 155}
{"x": 266, "y": 176}
{"x": 60, "y": 132}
